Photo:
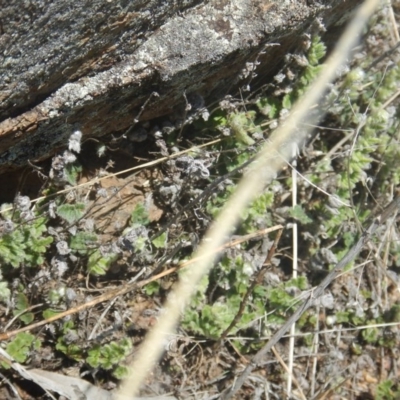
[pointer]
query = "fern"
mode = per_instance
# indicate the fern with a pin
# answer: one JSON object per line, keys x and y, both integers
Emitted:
{"x": 110, "y": 356}
{"x": 83, "y": 242}
{"x": 316, "y": 52}
{"x": 26, "y": 244}
{"x": 72, "y": 172}
{"x": 4, "y": 291}
{"x": 98, "y": 263}
{"x": 21, "y": 346}
{"x": 22, "y": 304}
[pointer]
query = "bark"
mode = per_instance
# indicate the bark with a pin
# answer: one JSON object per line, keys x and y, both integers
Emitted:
{"x": 93, "y": 64}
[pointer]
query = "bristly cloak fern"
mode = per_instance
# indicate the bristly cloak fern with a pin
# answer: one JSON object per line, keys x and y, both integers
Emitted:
{"x": 25, "y": 245}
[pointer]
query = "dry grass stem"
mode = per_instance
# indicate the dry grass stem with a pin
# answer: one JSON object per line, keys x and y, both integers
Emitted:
{"x": 268, "y": 163}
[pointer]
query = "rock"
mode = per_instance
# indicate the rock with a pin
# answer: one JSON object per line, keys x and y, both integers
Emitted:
{"x": 94, "y": 65}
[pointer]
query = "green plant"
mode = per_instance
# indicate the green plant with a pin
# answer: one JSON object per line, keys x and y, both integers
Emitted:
{"x": 370, "y": 335}
{"x": 387, "y": 390}
{"x": 99, "y": 263}
{"x": 110, "y": 356}
{"x": 152, "y": 288}
{"x": 99, "y": 259}
{"x": 241, "y": 123}
{"x": 71, "y": 212}
{"x": 232, "y": 276}
{"x": 139, "y": 216}
{"x": 26, "y": 244}
{"x": 5, "y": 292}
{"x": 71, "y": 172}
{"x": 350, "y": 317}
{"x": 83, "y": 242}
{"x": 67, "y": 346}
{"x": 21, "y": 346}
{"x": 22, "y": 304}
{"x": 160, "y": 241}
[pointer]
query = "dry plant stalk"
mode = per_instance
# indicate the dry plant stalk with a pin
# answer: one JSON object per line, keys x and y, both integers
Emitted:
{"x": 270, "y": 160}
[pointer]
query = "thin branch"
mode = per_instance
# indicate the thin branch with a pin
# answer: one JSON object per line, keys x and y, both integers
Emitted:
{"x": 294, "y": 276}
{"x": 289, "y": 372}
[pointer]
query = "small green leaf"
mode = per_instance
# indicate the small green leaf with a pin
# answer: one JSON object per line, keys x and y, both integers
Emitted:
{"x": 83, "y": 242}
{"x": 317, "y": 51}
{"x": 98, "y": 264}
{"x": 139, "y": 215}
{"x": 72, "y": 171}
{"x": 268, "y": 107}
{"x": 71, "y": 212}
{"x": 298, "y": 213}
{"x": 93, "y": 358}
{"x": 20, "y": 347}
{"x": 160, "y": 241}
{"x": 299, "y": 282}
{"x": 49, "y": 313}
{"x": 120, "y": 372}
{"x": 4, "y": 291}
{"x": 70, "y": 350}
{"x": 370, "y": 335}
{"x": 152, "y": 288}
{"x": 110, "y": 355}
{"x": 287, "y": 101}
{"x": 25, "y": 245}
{"x": 21, "y": 304}
{"x": 140, "y": 244}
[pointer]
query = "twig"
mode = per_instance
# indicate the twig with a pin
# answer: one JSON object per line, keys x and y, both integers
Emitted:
{"x": 21, "y": 313}
{"x": 392, "y": 20}
{"x": 294, "y": 276}
{"x": 100, "y": 320}
{"x": 14, "y": 390}
{"x": 289, "y": 372}
{"x": 390, "y": 99}
{"x": 245, "y": 238}
{"x": 136, "y": 119}
{"x": 336, "y": 198}
{"x": 330, "y": 391}
{"x": 383, "y": 56}
{"x": 317, "y": 293}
